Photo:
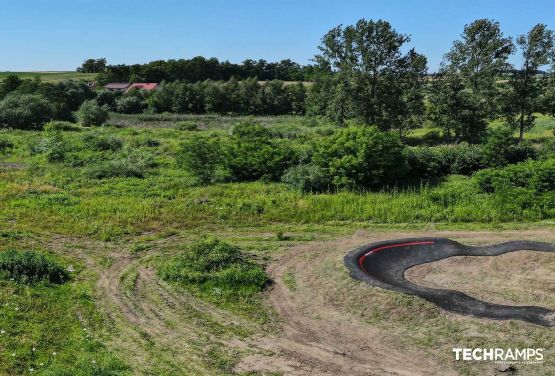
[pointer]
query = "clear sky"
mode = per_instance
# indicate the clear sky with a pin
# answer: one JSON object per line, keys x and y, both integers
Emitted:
{"x": 60, "y": 34}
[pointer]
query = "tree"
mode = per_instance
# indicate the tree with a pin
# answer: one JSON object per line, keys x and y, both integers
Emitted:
{"x": 524, "y": 89}
{"x": 468, "y": 77}
{"x": 296, "y": 97}
{"x": 408, "y": 112}
{"x": 25, "y": 111}
{"x": 9, "y": 84}
{"x": 453, "y": 110}
{"x": 372, "y": 73}
{"x": 93, "y": 66}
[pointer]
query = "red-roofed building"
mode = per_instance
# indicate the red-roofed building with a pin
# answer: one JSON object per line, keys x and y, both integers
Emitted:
{"x": 142, "y": 86}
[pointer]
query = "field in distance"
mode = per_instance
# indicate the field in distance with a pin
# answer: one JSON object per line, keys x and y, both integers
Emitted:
{"x": 51, "y": 76}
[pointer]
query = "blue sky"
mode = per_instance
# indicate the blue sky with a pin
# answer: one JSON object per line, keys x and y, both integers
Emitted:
{"x": 60, "y": 34}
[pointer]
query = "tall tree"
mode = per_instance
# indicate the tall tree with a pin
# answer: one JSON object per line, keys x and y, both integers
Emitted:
{"x": 524, "y": 88}
{"x": 93, "y": 66}
{"x": 472, "y": 67}
{"x": 372, "y": 74}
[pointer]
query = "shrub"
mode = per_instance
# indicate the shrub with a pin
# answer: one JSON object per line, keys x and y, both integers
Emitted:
{"x": 497, "y": 147}
{"x": 5, "y": 145}
{"x": 53, "y": 144}
{"x": 466, "y": 159}
{"x": 251, "y": 154}
{"x": 501, "y": 148}
{"x": 306, "y": 178}
{"x": 107, "y": 98}
{"x": 99, "y": 141}
{"x": 361, "y": 156}
{"x": 187, "y": 125}
{"x": 428, "y": 163}
{"x": 211, "y": 265}
{"x": 63, "y": 125}
{"x": 437, "y": 162}
{"x": 25, "y": 111}
{"x": 129, "y": 105}
{"x": 90, "y": 113}
{"x": 31, "y": 267}
{"x": 521, "y": 152}
{"x": 202, "y": 157}
{"x": 526, "y": 188}
{"x": 538, "y": 176}
{"x": 146, "y": 141}
{"x": 132, "y": 164}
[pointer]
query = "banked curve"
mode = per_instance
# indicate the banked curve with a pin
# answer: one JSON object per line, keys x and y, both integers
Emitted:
{"x": 383, "y": 264}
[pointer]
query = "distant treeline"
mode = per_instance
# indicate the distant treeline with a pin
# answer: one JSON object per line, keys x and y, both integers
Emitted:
{"x": 198, "y": 69}
{"x": 365, "y": 73}
{"x": 245, "y": 97}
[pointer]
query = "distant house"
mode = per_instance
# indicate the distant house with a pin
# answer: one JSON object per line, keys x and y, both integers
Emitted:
{"x": 142, "y": 86}
{"x": 117, "y": 86}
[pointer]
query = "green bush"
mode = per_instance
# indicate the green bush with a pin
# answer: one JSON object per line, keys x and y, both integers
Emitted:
{"x": 90, "y": 113}
{"x": 437, "y": 162}
{"x": 538, "y": 176}
{"x": 107, "y": 99}
{"x": 129, "y": 105}
{"x": 213, "y": 266}
{"x": 145, "y": 141}
{"x": 428, "y": 163}
{"x": 501, "y": 148}
{"x": 202, "y": 157}
{"x": 5, "y": 145}
{"x": 130, "y": 164}
{"x": 362, "y": 157}
{"x": 187, "y": 125}
{"x": 64, "y": 125}
{"x": 306, "y": 178}
{"x": 25, "y": 111}
{"x": 31, "y": 267}
{"x": 100, "y": 141}
{"x": 53, "y": 144}
{"x": 461, "y": 159}
{"x": 252, "y": 154}
{"x": 466, "y": 159}
{"x": 525, "y": 189}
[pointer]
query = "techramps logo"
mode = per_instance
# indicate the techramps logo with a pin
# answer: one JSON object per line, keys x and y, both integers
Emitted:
{"x": 500, "y": 356}
{"x": 383, "y": 265}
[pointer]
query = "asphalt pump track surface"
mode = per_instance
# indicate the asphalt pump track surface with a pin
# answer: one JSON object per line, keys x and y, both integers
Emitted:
{"x": 383, "y": 264}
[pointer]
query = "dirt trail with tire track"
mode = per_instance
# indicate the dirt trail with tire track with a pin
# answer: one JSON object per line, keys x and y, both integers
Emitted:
{"x": 320, "y": 337}
{"x": 158, "y": 330}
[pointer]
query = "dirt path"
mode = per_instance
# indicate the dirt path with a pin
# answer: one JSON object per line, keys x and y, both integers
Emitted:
{"x": 160, "y": 331}
{"x": 321, "y": 337}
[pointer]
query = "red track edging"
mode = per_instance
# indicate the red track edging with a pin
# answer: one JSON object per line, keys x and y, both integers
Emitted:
{"x": 376, "y": 250}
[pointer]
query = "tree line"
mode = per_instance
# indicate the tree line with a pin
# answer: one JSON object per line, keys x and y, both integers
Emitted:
{"x": 365, "y": 74}
{"x": 371, "y": 80}
{"x": 197, "y": 69}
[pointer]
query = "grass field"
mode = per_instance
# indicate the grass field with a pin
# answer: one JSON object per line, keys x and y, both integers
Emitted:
{"x": 116, "y": 316}
{"x": 51, "y": 76}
